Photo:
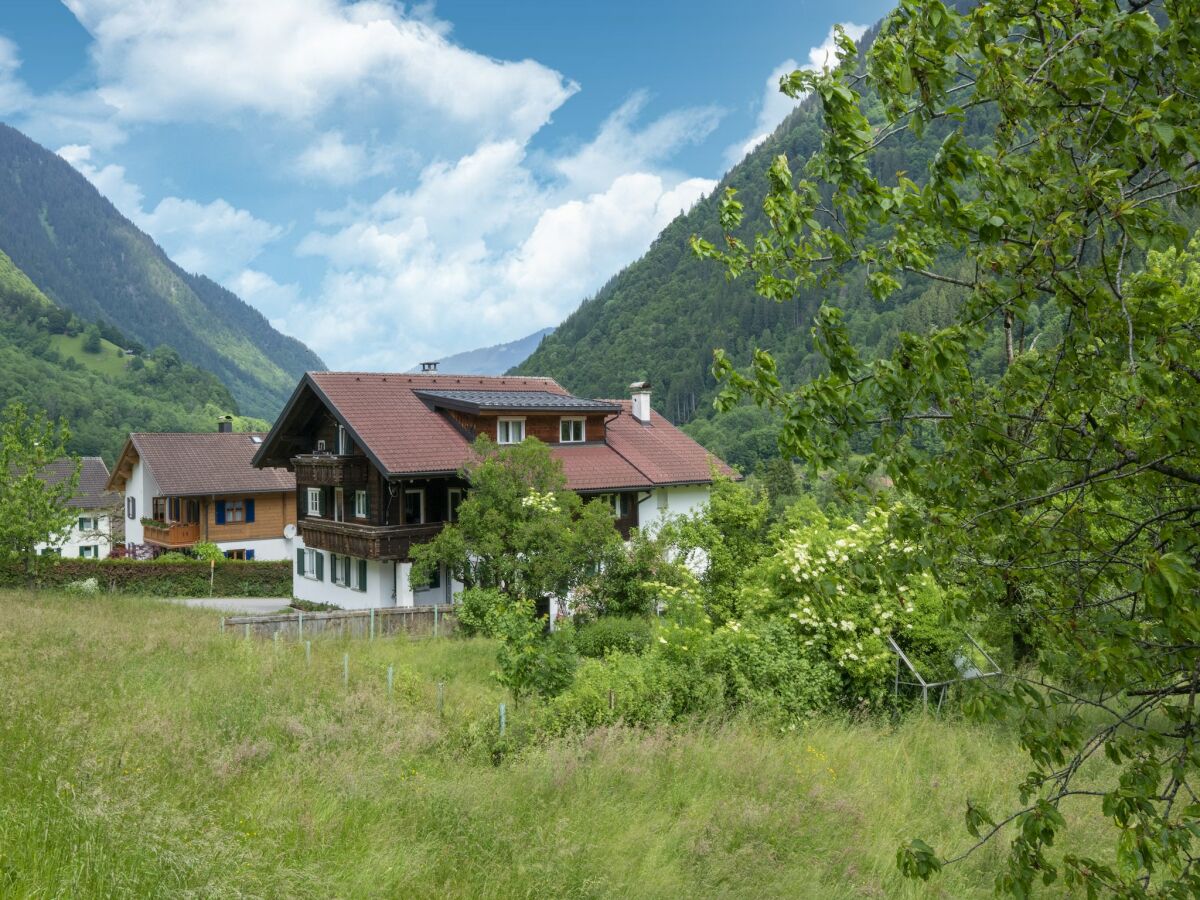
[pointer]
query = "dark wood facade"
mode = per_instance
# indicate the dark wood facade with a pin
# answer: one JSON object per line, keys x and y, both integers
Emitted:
{"x": 396, "y": 515}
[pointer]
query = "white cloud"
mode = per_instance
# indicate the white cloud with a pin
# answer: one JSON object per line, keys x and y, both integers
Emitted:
{"x": 215, "y": 239}
{"x": 775, "y": 105}
{"x": 331, "y": 159}
{"x": 13, "y": 94}
{"x": 477, "y": 252}
{"x": 620, "y": 146}
{"x": 178, "y": 59}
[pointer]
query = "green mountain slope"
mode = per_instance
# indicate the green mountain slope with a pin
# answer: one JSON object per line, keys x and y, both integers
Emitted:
{"x": 662, "y": 316}
{"x": 89, "y": 259}
{"x": 102, "y": 393}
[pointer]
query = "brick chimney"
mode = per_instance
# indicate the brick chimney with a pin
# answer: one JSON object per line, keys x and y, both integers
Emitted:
{"x": 224, "y": 424}
{"x": 641, "y": 401}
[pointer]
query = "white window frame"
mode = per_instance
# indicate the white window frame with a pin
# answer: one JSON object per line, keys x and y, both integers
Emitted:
{"x": 404, "y": 508}
{"x": 310, "y": 563}
{"x": 90, "y": 526}
{"x": 572, "y": 421}
{"x": 131, "y": 507}
{"x": 360, "y": 504}
{"x": 314, "y": 502}
{"x": 339, "y": 504}
{"x": 451, "y": 512}
{"x": 352, "y": 575}
{"x": 343, "y": 441}
{"x": 504, "y": 435}
{"x": 89, "y": 551}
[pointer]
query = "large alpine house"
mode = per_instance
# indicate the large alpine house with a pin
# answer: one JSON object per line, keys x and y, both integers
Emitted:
{"x": 378, "y": 461}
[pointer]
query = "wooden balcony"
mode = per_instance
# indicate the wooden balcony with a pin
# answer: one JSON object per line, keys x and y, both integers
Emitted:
{"x": 366, "y": 541}
{"x": 174, "y": 536}
{"x": 325, "y": 469}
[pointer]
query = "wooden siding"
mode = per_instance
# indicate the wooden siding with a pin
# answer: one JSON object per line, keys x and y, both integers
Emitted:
{"x": 366, "y": 541}
{"x": 271, "y": 513}
{"x": 540, "y": 426}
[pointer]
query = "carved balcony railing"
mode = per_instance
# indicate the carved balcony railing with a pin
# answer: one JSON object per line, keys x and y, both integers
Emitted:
{"x": 321, "y": 469}
{"x": 366, "y": 541}
{"x": 176, "y": 534}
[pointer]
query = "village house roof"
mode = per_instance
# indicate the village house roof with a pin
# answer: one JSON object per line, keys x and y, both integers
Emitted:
{"x": 400, "y": 423}
{"x": 91, "y": 492}
{"x": 196, "y": 464}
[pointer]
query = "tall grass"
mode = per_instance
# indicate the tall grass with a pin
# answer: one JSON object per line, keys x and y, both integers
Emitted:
{"x": 143, "y": 754}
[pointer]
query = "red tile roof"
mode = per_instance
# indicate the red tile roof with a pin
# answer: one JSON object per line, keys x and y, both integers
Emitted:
{"x": 405, "y": 436}
{"x": 211, "y": 462}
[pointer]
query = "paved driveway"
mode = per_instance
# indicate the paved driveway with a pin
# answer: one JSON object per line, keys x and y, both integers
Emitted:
{"x": 239, "y": 605}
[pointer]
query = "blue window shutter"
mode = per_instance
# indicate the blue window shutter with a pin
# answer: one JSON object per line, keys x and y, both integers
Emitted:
{"x": 320, "y": 566}
{"x": 299, "y": 562}
{"x": 362, "y": 574}
{"x": 249, "y": 510}
{"x": 249, "y": 554}
{"x": 220, "y": 504}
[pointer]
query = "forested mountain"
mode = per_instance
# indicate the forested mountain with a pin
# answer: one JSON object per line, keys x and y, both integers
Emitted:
{"x": 494, "y": 360}
{"x": 88, "y": 258}
{"x": 51, "y": 360}
{"x": 661, "y": 317}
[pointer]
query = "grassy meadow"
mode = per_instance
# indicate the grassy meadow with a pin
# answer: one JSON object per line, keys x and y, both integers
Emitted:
{"x": 143, "y": 754}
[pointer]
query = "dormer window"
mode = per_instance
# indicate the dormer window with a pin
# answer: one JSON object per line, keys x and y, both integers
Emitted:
{"x": 571, "y": 431}
{"x": 510, "y": 431}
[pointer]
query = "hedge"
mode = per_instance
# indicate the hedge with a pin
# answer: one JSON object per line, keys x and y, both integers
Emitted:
{"x": 233, "y": 578}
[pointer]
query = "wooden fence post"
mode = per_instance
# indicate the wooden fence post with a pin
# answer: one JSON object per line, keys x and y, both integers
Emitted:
{"x": 502, "y": 722}
{"x": 346, "y": 670}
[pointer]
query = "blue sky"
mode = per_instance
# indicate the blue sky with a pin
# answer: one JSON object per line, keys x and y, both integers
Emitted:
{"x": 394, "y": 183}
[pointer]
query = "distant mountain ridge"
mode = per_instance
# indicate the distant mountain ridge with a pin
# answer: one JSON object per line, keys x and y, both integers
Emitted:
{"x": 494, "y": 360}
{"x": 88, "y": 258}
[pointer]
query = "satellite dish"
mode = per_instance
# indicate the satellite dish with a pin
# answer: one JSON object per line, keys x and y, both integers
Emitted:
{"x": 289, "y": 531}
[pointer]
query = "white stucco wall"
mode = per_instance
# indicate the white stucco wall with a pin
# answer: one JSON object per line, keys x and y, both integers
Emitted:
{"x": 99, "y": 537}
{"x": 143, "y": 488}
{"x": 679, "y": 501}
{"x": 378, "y": 592}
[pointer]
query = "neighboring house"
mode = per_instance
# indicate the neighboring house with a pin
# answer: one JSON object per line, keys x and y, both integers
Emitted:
{"x": 181, "y": 489}
{"x": 377, "y": 461}
{"x": 97, "y": 511}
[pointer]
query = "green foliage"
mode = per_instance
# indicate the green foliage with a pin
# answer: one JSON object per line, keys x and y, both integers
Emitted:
{"x": 101, "y": 398}
{"x": 208, "y": 551}
{"x": 91, "y": 339}
{"x": 476, "y": 611}
{"x": 529, "y": 660}
{"x": 727, "y": 537}
{"x": 612, "y": 634}
{"x": 33, "y": 509}
{"x": 97, "y": 265}
{"x": 1047, "y": 420}
{"x": 519, "y": 530}
{"x": 158, "y": 578}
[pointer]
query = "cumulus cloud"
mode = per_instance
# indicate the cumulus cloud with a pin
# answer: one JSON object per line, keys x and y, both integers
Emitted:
{"x": 477, "y": 252}
{"x": 775, "y": 105}
{"x": 215, "y": 239}
{"x": 621, "y": 146}
{"x": 178, "y": 59}
{"x": 334, "y": 160}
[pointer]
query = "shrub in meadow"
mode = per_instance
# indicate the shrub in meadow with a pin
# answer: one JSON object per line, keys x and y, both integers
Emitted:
{"x": 611, "y": 634}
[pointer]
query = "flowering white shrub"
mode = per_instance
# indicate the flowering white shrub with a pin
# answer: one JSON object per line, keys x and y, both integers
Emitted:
{"x": 545, "y": 502}
{"x": 86, "y": 586}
